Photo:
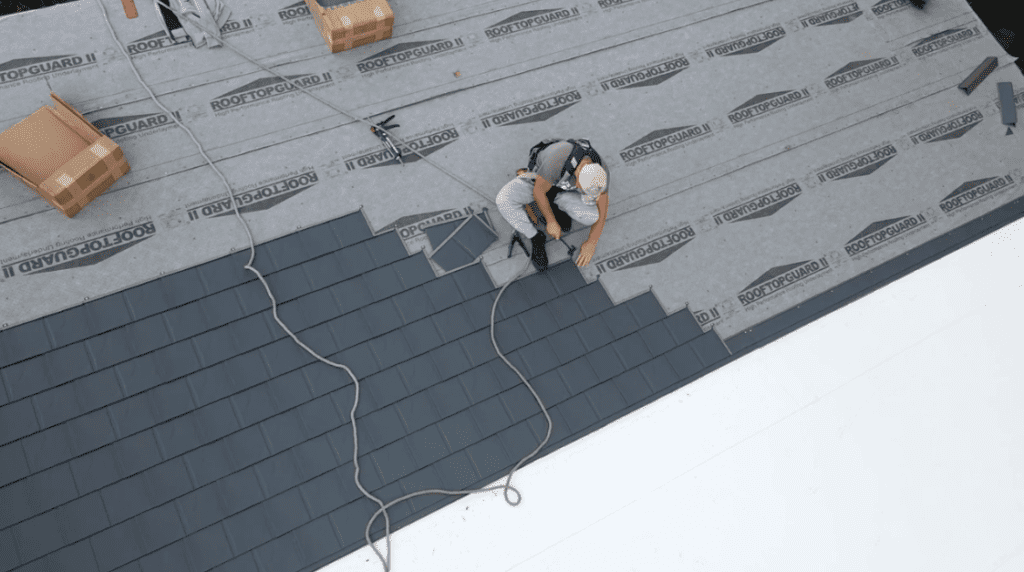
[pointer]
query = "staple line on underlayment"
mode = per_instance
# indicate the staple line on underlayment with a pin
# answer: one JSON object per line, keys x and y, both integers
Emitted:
{"x": 252, "y": 253}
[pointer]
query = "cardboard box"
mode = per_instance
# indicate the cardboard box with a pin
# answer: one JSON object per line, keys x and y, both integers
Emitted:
{"x": 57, "y": 153}
{"x": 354, "y": 24}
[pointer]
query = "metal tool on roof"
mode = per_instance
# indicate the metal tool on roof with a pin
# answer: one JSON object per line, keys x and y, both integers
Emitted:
{"x": 1007, "y": 104}
{"x": 979, "y": 75}
{"x": 381, "y": 132}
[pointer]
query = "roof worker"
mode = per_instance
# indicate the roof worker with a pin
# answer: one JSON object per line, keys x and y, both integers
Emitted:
{"x": 569, "y": 182}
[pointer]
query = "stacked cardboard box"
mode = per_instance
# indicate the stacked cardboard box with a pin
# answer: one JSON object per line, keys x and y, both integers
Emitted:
{"x": 60, "y": 155}
{"x": 353, "y": 24}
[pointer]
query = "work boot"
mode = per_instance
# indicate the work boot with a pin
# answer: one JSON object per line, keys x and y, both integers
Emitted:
{"x": 539, "y": 253}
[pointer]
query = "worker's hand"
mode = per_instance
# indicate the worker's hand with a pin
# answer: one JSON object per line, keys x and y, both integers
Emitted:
{"x": 554, "y": 230}
{"x": 586, "y": 253}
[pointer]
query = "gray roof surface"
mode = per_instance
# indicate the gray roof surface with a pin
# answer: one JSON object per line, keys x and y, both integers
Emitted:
{"x": 174, "y": 426}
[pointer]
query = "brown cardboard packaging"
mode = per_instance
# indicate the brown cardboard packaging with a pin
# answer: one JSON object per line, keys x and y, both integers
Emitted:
{"x": 354, "y": 25}
{"x": 57, "y": 153}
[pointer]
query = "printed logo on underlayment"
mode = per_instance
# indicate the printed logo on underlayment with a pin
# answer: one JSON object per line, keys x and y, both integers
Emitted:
{"x": 424, "y": 144}
{"x": 128, "y": 125}
{"x": 611, "y": 4}
{"x": 761, "y": 206}
{"x": 267, "y": 88}
{"x": 646, "y": 75}
{"x": 155, "y": 42}
{"x": 948, "y": 129}
{"x": 413, "y": 225}
{"x": 651, "y": 252}
{"x": 255, "y": 198}
{"x": 883, "y": 232}
{"x": 768, "y": 104}
{"x": 853, "y": 72}
{"x": 234, "y": 26}
{"x": 885, "y": 7}
{"x": 706, "y": 319}
{"x": 534, "y": 111}
{"x": 859, "y": 166}
{"x": 943, "y": 41}
{"x": 407, "y": 53}
{"x": 81, "y": 251}
{"x": 20, "y": 69}
{"x": 530, "y": 20}
{"x": 973, "y": 192}
{"x": 780, "y": 278}
{"x": 661, "y": 141}
{"x": 839, "y": 15}
{"x": 747, "y": 44}
{"x": 296, "y": 11}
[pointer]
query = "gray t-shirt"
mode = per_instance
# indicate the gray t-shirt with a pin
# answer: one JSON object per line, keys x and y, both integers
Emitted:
{"x": 550, "y": 162}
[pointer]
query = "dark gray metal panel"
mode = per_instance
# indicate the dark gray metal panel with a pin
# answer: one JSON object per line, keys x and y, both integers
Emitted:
{"x": 518, "y": 440}
{"x": 632, "y": 350}
{"x": 283, "y": 431}
{"x": 394, "y": 461}
{"x": 567, "y": 345}
{"x": 594, "y": 333}
{"x": 475, "y": 236}
{"x": 577, "y": 412}
{"x": 490, "y": 417}
{"x": 456, "y": 471}
{"x": 279, "y": 473}
{"x": 355, "y": 260}
{"x": 510, "y": 334}
{"x": 417, "y": 411}
{"x": 423, "y": 479}
{"x": 287, "y": 251}
{"x": 225, "y": 378}
{"x": 8, "y": 553}
{"x": 427, "y": 445}
{"x": 198, "y": 428}
{"x": 76, "y": 398}
{"x": 379, "y": 428}
{"x": 151, "y": 488}
{"x": 620, "y": 320}
{"x": 22, "y": 342}
{"x": 383, "y": 282}
{"x": 51, "y": 369}
{"x": 538, "y": 358}
{"x": 437, "y": 233}
{"x": 160, "y": 295}
{"x": 351, "y": 228}
{"x": 359, "y": 359}
{"x": 288, "y": 284}
{"x": 96, "y": 470}
{"x": 450, "y": 359}
{"x": 281, "y": 553}
{"x": 284, "y": 356}
{"x": 13, "y": 464}
{"x": 225, "y": 272}
{"x": 385, "y": 387}
{"x": 511, "y": 305}
{"x": 136, "y": 453}
{"x": 37, "y": 536}
{"x": 566, "y": 311}
{"x": 452, "y": 324}
{"x": 330, "y": 491}
{"x": 1006, "y": 103}
{"x": 248, "y": 529}
{"x": 125, "y": 343}
{"x": 351, "y": 295}
{"x": 632, "y": 386}
{"x": 452, "y": 255}
{"x": 683, "y": 326}
{"x": 659, "y": 373}
{"x": 383, "y": 316}
{"x": 78, "y": 323}
{"x": 592, "y": 299}
{"x": 559, "y": 428}
{"x": 414, "y": 304}
{"x": 422, "y": 336}
{"x": 414, "y": 270}
{"x": 473, "y": 281}
{"x": 479, "y": 310}
{"x": 658, "y": 339}
{"x": 116, "y": 546}
{"x": 150, "y": 408}
{"x": 585, "y": 372}
{"x": 317, "y": 241}
{"x": 443, "y": 292}
{"x": 448, "y": 396}
{"x": 391, "y": 348}
{"x": 459, "y": 430}
{"x": 17, "y": 420}
{"x": 489, "y": 457}
{"x": 566, "y": 277}
{"x": 171, "y": 557}
{"x": 323, "y": 271}
{"x": 203, "y": 314}
{"x": 148, "y": 371}
{"x": 253, "y": 297}
{"x": 646, "y": 309}
{"x": 244, "y": 563}
{"x": 350, "y": 520}
{"x": 478, "y": 347}
{"x": 538, "y": 322}
{"x": 479, "y": 384}
{"x": 386, "y": 248}
{"x": 684, "y": 362}
{"x": 207, "y": 548}
{"x": 709, "y": 348}
{"x": 68, "y": 440}
{"x": 227, "y": 342}
{"x": 521, "y": 403}
{"x": 350, "y": 330}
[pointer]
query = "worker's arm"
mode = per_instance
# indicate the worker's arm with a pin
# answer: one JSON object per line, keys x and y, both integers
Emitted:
{"x": 540, "y": 189}
{"x": 602, "y": 210}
